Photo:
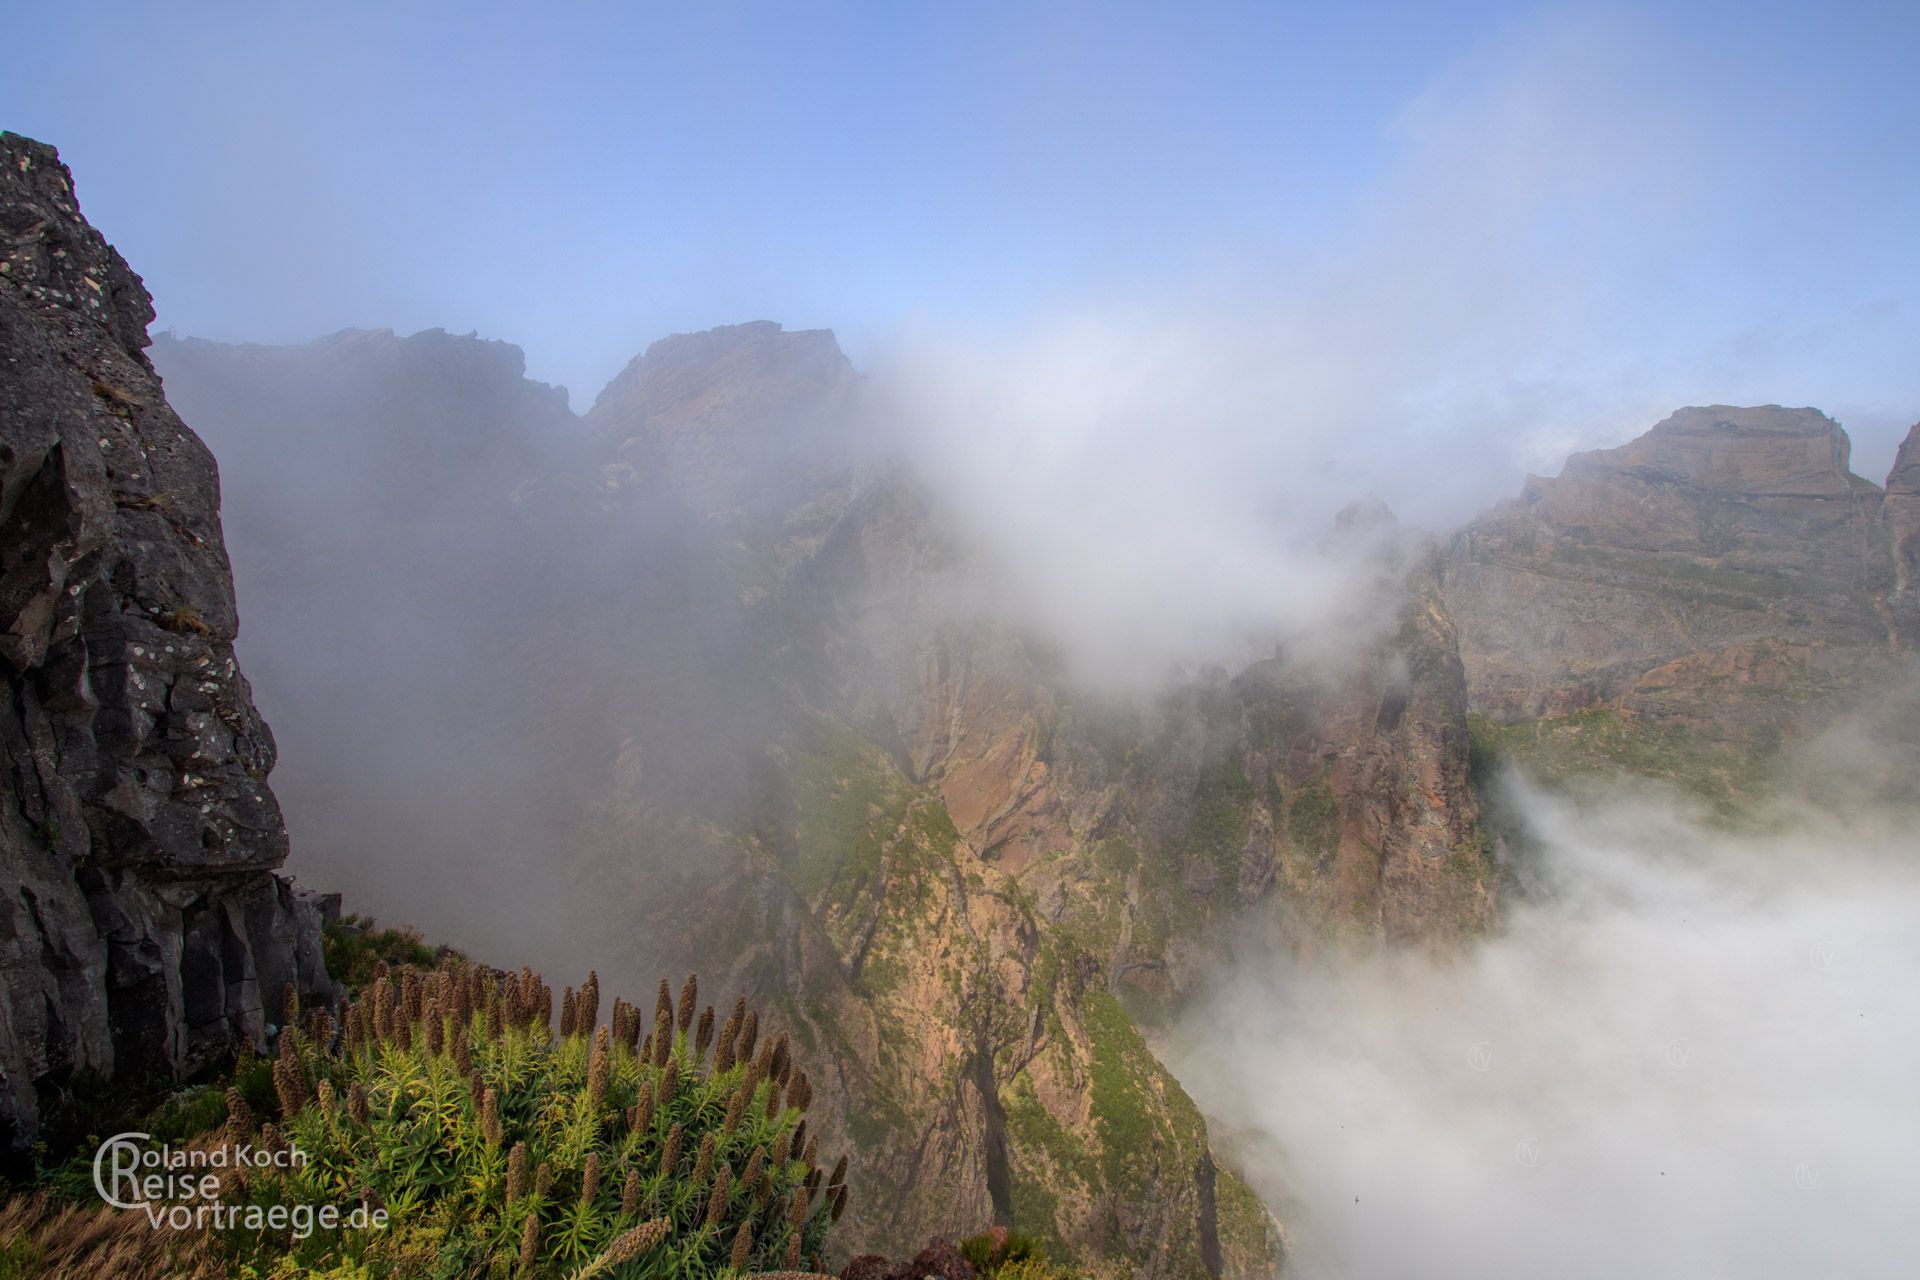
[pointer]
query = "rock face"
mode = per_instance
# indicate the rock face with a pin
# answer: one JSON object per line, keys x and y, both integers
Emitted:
{"x": 1704, "y": 593}
{"x": 1902, "y": 518}
{"x": 143, "y": 928}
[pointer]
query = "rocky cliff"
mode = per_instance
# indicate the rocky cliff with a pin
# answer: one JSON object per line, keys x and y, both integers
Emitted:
{"x": 980, "y": 882}
{"x": 1690, "y": 602}
{"x": 973, "y": 885}
{"x": 982, "y": 1068}
{"x": 143, "y": 928}
{"x": 1901, "y": 515}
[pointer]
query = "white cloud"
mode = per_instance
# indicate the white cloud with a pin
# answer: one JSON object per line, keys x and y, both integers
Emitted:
{"x": 1159, "y": 468}
{"x": 1692, "y": 1058}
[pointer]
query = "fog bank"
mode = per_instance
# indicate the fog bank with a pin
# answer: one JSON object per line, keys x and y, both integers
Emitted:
{"x": 1688, "y": 1054}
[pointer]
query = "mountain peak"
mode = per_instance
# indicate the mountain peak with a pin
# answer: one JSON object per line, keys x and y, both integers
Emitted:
{"x": 730, "y": 414}
{"x": 1718, "y": 527}
{"x": 1761, "y": 419}
{"x": 1762, "y": 451}
{"x": 55, "y": 258}
{"x": 1905, "y": 476}
{"x": 676, "y": 382}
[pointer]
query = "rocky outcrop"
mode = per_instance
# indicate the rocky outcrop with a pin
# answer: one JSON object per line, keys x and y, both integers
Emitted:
{"x": 1718, "y": 527}
{"x": 143, "y": 928}
{"x": 1902, "y": 519}
{"x": 737, "y": 415}
{"x": 1688, "y": 603}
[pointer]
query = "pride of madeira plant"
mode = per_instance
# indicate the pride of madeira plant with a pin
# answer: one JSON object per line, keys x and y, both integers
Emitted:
{"x": 500, "y": 1148}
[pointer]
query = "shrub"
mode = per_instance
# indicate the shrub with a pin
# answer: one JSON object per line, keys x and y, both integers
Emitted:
{"x": 1034, "y": 1269}
{"x": 184, "y": 621}
{"x": 354, "y": 949}
{"x": 1009, "y": 1254}
{"x": 500, "y": 1147}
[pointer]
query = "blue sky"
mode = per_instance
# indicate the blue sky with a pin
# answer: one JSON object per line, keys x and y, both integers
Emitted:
{"x": 1711, "y": 202}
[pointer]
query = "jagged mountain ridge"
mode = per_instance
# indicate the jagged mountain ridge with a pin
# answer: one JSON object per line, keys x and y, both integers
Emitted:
{"x": 144, "y": 930}
{"x": 910, "y": 831}
{"x": 901, "y": 822}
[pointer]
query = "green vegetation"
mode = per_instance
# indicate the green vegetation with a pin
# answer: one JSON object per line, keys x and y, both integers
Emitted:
{"x": 1221, "y": 804}
{"x": 20, "y": 1258}
{"x": 851, "y": 803}
{"x": 1033, "y": 1128}
{"x": 1248, "y": 1237}
{"x": 1313, "y": 819}
{"x": 355, "y": 948}
{"x": 935, "y": 826}
{"x": 495, "y": 1146}
{"x": 1690, "y": 577}
{"x": 1124, "y": 1110}
{"x": 1005, "y": 1255}
{"x": 1559, "y": 750}
{"x": 500, "y": 1148}
{"x": 1051, "y": 1163}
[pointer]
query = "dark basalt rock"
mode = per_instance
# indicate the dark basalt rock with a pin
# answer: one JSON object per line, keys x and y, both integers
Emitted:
{"x": 142, "y": 927}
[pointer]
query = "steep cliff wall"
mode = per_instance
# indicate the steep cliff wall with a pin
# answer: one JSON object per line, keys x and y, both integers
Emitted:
{"x": 143, "y": 929}
{"x": 981, "y": 1066}
{"x": 981, "y": 883}
{"x": 1902, "y": 518}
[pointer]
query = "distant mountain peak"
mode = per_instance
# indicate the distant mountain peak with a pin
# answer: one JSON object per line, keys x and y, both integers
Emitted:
{"x": 674, "y": 381}
{"x": 1760, "y": 451}
{"x": 1717, "y": 529}
{"x": 731, "y": 413}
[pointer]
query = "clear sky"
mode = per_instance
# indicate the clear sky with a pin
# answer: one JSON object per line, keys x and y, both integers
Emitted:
{"x": 1707, "y": 202}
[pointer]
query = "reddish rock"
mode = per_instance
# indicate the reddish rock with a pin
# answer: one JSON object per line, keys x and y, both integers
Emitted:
{"x": 938, "y": 1261}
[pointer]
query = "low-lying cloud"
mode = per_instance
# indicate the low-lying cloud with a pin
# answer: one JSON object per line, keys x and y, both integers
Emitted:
{"x": 1689, "y": 1053}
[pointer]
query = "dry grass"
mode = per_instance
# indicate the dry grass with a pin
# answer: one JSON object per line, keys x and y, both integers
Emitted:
{"x": 46, "y": 1240}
